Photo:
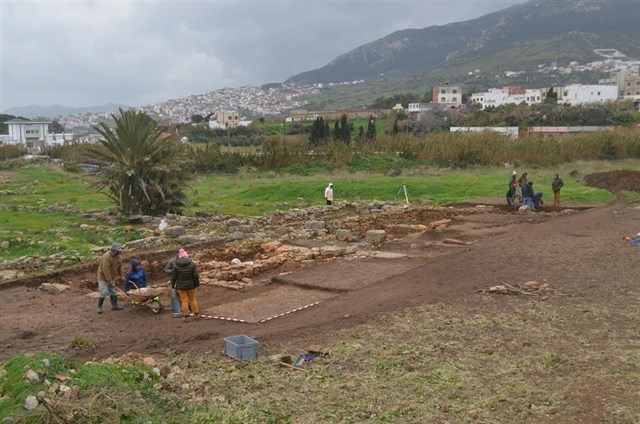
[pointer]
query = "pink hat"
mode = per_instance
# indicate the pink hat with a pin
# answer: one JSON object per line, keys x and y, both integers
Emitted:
{"x": 182, "y": 253}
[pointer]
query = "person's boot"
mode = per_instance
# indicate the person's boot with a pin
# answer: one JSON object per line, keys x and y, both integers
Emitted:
{"x": 114, "y": 303}
{"x": 100, "y": 303}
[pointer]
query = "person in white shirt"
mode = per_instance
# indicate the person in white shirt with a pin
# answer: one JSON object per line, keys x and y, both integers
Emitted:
{"x": 328, "y": 193}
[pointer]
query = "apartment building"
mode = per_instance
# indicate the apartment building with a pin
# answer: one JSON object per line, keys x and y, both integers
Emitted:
{"x": 224, "y": 120}
{"x": 447, "y": 95}
{"x": 628, "y": 85}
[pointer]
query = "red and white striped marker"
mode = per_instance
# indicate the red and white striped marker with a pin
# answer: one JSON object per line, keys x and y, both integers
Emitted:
{"x": 227, "y": 319}
{"x": 262, "y": 321}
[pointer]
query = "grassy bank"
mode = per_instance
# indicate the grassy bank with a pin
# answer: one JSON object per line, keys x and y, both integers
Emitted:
{"x": 497, "y": 360}
{"x": 70, "y": 391}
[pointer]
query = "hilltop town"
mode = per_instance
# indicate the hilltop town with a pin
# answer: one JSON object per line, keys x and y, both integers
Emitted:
{"x": 272, "y": 99}
{"x": 288, "y": 101}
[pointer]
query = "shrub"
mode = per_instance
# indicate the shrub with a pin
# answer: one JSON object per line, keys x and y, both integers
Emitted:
{"x": 72, "y": 168}
{"x": 12, "y": 151}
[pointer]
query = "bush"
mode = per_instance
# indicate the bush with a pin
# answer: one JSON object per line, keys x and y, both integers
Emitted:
{"x": 74, "y": 152}
{"x": 72, "y": 168}
{"x": 12, "y": 151}
{"x": 608, "y": 151}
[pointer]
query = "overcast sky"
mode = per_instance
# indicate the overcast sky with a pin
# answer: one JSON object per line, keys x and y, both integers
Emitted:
{"x": 88, "y": 53}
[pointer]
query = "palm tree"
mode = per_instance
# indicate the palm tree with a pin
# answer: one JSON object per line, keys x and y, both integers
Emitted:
{"x": 142, "y": 171}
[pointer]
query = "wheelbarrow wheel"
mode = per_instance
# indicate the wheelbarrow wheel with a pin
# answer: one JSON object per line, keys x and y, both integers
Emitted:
{"x": 156, "y": 307}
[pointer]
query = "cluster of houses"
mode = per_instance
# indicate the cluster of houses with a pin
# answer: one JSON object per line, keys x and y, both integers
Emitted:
{"x": 624, "y": 84}
{"x": 35, "y": 135}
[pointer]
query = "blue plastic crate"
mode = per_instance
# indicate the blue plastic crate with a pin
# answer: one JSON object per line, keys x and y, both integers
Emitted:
{"x": 241, "y": 347}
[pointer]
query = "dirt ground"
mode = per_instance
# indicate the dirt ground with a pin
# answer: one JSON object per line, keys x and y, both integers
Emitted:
{"x": 579, "y": 252}
{"x": 615, "y": 181}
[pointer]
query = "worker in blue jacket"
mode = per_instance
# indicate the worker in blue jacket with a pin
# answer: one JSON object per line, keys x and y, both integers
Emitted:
{"x": 135, "y": 277}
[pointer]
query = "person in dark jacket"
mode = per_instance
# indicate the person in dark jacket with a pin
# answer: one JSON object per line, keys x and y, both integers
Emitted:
{"x": 523, "y": 180}
{"x": 556, "y": 185}
{"x": 176, "y": 305}
{"x": 531, "y": 198}
{"x": 527, "y": 195}
{"x": 135, "y": 277}
{"x": 185, "y": 280}
{"x": 512, "y": 188}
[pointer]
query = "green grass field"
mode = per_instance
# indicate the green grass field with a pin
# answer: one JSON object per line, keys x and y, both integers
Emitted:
{"x": 256, "y": 194}
{"x": 33, "y": 222}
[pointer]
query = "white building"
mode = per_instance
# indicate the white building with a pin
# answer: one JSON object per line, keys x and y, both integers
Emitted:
{"x": 503, "y": 96}
{"x": 415, "y": 109}
{"x": 494, "y": 97}
{"x": 577, "y": 94}
{"x": 511, "y": 132}
{"x": 33, "y": 135}
{"x": 533, "y": 96}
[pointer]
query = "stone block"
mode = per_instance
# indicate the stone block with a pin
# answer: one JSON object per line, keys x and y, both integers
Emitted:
{"x": 332, "y": 251}
{"x": 343, "y": 235}
{"x": 174, "y": 231}
{"x": 376, "y": 236}
{"x": 315, "y": 225}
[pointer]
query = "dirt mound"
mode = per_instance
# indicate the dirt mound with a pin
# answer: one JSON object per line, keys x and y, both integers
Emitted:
{"x": 615, "y": 181}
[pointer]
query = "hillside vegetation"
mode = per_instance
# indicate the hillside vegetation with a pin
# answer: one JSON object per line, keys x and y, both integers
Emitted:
{"x": 413, "y": 51}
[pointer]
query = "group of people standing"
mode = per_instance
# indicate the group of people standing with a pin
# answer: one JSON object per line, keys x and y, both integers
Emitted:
{"x": 184, "y": 281}
{"x": 522, "y": 188}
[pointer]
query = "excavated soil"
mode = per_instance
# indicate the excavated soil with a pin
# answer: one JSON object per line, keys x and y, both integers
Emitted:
{"x": 615, "y": 181}
{"x": 576, "y": 251}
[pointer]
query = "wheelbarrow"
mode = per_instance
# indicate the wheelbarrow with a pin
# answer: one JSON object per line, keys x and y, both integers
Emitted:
{"x": 145, "y": 296}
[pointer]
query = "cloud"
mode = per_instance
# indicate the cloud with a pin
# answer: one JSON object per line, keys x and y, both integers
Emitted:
{"x": 82, "y": 53}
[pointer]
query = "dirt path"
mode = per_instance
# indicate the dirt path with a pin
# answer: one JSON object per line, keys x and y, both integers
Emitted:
{"x": 581, "y": 254}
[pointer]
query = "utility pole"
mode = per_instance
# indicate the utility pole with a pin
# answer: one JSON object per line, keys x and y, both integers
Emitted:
{"x": 406, "y": 139}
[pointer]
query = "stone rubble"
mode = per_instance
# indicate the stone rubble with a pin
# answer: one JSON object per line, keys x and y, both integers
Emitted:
{"x": 338, "y": 229}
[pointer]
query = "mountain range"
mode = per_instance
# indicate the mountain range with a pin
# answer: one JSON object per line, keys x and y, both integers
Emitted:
{"x": 477, "y": 53}
{"x": 518, "y": 37}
